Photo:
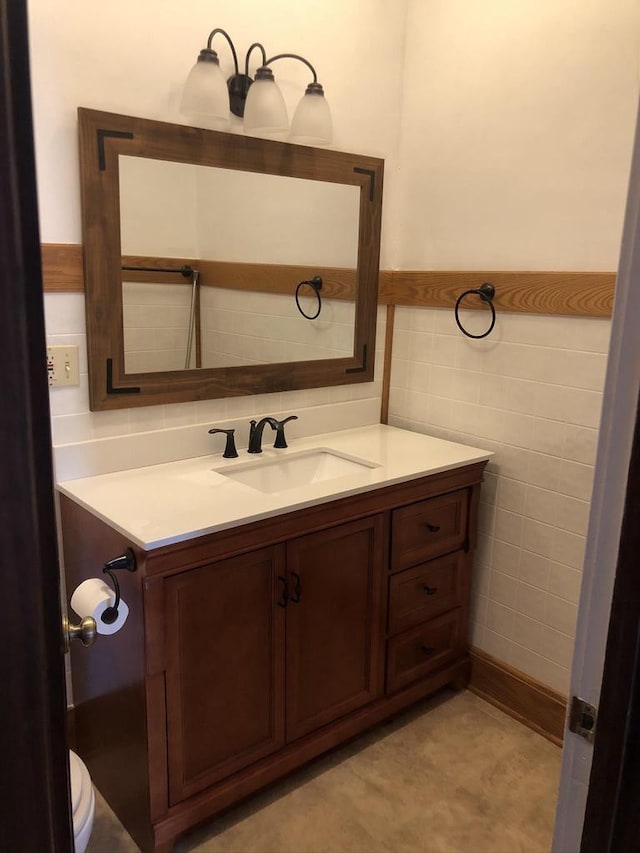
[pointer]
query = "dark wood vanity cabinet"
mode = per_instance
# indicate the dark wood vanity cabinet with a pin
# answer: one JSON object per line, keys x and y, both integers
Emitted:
{"x": 225, "y": 680}
{"x": 263, "y": 648}
{"x": 251, "y": 651}
{"x": 333, "y": 625}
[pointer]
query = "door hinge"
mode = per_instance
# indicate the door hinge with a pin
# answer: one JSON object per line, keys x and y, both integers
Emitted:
{"x": 582, "y": 718}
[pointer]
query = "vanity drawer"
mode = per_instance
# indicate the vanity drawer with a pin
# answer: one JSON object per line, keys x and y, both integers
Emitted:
{"x": 418, "y": 652}
{"x": 428, "y": 529}
{"x": 419, "y": 594}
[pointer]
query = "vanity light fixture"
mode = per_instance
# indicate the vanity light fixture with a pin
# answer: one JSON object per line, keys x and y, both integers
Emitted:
{"x": 207, "y": 98}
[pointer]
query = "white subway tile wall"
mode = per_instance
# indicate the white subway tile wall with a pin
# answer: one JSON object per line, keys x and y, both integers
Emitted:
{"x": 72, "y": 421}
{"x": 242, "y": 327}
{"x": 531, "y": 392}
{"x": 155, "y": 318}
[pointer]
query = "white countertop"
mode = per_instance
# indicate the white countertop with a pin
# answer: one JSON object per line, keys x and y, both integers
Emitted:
{"x": 161, "y": 504}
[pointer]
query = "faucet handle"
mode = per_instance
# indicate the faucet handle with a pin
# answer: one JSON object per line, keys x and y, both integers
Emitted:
{"x": 280, "y": 439}
{"x": 230, "y": 451}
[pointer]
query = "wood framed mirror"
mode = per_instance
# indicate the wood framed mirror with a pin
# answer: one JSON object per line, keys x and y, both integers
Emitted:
{"x": 193, "y": 235}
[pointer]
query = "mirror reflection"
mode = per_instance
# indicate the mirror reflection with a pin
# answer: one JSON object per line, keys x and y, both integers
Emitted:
{"x": 223, "y": 220}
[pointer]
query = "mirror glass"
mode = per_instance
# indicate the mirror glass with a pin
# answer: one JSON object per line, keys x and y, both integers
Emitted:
{"x": 203, "y": 215}
{"x": 247, "y": 221}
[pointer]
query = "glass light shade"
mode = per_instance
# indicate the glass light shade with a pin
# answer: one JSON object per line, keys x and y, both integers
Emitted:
{"x": 205, "y": 98}
{"x": 311, "y": 124}
{"x": 265, "y": 113}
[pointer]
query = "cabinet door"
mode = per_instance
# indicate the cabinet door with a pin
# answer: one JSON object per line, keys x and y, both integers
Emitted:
{"x": 334, "y": 656}
{"x": 225, "y": 668}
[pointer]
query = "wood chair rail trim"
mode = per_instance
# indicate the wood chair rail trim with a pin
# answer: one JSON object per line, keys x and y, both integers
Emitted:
{"x": 586, "y": 294}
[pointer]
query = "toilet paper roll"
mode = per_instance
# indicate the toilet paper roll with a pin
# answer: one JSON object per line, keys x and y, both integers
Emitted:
{"x": 92, "y": 598}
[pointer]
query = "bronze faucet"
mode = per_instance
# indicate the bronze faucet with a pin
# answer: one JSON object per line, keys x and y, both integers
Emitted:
{"x": 257, "y": 428}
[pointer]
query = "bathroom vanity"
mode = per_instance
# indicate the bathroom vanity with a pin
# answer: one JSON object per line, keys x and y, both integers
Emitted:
{"x": 268, "y": 623}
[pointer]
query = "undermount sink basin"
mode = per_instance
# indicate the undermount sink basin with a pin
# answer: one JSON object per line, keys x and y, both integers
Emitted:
{"x": 296, "y": 470}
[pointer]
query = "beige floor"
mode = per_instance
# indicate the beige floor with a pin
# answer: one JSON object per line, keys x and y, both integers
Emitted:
{"x": 452, "y": 774}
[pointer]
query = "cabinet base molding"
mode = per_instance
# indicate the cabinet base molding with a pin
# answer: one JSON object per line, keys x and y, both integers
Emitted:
{"x": 215, "y": 800}
{"x": 518, "y": 695}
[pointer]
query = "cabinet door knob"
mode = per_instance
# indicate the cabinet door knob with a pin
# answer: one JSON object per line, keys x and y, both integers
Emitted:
{"x": 432, "y": 528}
{"x": 427, "y": 651}
{"x": 297, "y": 590}
{"x": 429, "y": 590}
{"x": 285, "y": 592}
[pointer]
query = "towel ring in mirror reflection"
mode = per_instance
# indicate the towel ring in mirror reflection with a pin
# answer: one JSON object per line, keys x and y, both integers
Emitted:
{"x": 486, "y": 292}
{"x": 315, "y": 284}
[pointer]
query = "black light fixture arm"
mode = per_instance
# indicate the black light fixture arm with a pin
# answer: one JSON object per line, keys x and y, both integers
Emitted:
{"x": 231, "y": 45}
{"x": 251, "y": 49}
{"x": 126, "y": 561}
{"x": 240, "y": 82}
{"x": 294, "y": 56}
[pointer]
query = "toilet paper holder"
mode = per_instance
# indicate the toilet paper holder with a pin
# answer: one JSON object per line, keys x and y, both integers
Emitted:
{"x": 126, "y": 561}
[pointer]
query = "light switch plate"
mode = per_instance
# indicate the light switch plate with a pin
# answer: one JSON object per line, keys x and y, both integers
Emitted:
{"x": 62, "y": 365}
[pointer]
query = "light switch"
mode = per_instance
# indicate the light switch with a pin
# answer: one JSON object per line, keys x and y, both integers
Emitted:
{"x": 62, "y": 366}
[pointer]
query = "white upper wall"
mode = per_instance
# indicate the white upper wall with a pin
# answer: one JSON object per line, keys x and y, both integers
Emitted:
{"x": 133, "y": 58}
{"x": 158, "y": 208}
{"x": 270, "y": 219}
{"x": 512, "y": 122}
{"x": 516, "y": 137}
{"x": 182, "y": 210}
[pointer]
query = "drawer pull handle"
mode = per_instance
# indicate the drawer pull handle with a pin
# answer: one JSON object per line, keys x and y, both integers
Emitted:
{"x": 432, "y": 528}
{"x": 285, "y": 592}
{"x": 429, "y": 590}
{"x": 427, "y": 651}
